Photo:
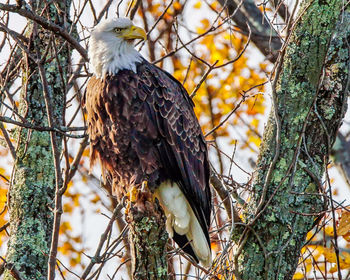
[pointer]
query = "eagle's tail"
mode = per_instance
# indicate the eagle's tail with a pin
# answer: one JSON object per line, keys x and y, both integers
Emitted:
{"x": 182, "y": 224}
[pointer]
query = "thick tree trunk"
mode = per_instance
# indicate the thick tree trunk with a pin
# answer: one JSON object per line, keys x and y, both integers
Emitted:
{"x": 32, "y": 191}
{"x": 148, "y": 237}
{"x": 287, "y": 191}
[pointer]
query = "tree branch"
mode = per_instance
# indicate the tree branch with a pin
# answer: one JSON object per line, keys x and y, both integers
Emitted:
{"x": 263, "y": 35}
{"x": 56, "y": 29}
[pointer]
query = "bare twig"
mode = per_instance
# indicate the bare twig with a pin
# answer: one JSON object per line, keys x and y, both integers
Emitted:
{"x": 75, "y": 162}
{"x": 13, "y": 270}
{"x": 4, "y": 226}
{"x": 134, "y": 9}
{"x": 224, "y": 196}
{"x": 335, "y": 239}
{"x": 8, "y": 141}
{"x": 210, "y": 68}
{"x": 227, "y": 117}
{"x": 209, "y": 30}
{"x": 60, "y": 130}
{"x": 58, "y": 30}
{"x": 97, "y": 257}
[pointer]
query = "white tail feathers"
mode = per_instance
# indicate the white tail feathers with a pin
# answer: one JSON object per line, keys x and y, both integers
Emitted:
{"x": 180, "y": 217}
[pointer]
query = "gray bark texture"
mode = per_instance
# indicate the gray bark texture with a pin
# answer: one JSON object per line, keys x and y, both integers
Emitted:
{"x": 32, "y": 190}
{"x": 309, "y": 94}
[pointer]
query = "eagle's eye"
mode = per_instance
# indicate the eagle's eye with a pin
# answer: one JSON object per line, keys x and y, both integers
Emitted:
{"x": 118, "y": 29}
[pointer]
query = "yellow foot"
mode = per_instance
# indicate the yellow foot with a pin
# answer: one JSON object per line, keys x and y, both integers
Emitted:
{"x": 151, "y": 196}
{"x": 133, "y": 194}
{"x": 144, "y": 186}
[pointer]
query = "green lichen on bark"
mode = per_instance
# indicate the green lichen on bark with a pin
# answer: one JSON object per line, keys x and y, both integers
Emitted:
{"x": 32, "y": 190}
{"x": 30, "y": 199}
{"x": 148, "y": 238}
{"x": 309, "y": 117}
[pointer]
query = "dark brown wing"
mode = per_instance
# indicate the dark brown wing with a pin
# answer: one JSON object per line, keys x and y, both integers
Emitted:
{"x": 182, "y": 147}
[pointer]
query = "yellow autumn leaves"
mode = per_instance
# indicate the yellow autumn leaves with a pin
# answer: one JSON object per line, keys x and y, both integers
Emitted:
{"x": 320, "y": 255}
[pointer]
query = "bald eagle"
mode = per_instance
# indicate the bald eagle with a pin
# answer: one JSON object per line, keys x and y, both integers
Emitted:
{"x": 142, "y": 127}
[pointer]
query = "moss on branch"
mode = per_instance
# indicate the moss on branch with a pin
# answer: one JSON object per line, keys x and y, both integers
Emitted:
{"x": 148, "y": 237}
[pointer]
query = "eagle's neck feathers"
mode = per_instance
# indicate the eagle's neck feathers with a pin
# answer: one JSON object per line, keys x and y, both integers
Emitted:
{"x": 110, "y": 54}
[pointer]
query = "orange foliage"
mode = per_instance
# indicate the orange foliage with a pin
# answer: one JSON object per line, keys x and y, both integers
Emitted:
{"x": 325, "y": 255}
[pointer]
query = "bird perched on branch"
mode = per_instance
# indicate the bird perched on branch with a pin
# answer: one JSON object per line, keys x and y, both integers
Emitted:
{"x": 142, "y": 128}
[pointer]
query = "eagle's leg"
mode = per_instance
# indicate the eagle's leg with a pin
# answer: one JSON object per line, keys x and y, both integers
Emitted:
{"x": 131, "y": 196}
{"x": 148, "y": 236}
{"x": 137, "y": 194}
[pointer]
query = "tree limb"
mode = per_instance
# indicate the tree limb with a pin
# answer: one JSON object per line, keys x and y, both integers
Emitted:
{"x": 56, "y": 29}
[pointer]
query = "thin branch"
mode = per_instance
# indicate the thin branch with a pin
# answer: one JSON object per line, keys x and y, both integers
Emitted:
{"x": 56, "y": 29}
{"x": 134, "y": 9}
{"x": 224, "y": 196}
{"x": 75, "y": 162}
{"x": 103, "y": 238}
{"x": 210, "y": 68}
{"x": 161, "y": 16}
{"x": 4, "y": 226}
{"x": 60, "y": 130}
{"x": 18, "y": 38}
{"x": 8, "y": 141}
{"x": 13, "y": 33}
{"x": 13, "y": 270}
{"x": 335, "y": 236}
{"x": 209, "y": 30}
{"x": 240, "y": 54}
{"x": 227, "y": 117}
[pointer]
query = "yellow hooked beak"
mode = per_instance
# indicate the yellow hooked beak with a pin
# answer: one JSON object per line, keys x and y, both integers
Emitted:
{"x": 134, "y": 32}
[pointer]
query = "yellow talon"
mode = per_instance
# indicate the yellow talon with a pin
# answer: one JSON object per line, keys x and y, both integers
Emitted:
{"x": 145, "y": 189}
{"x": 127, "y": 208}
{"x": 133, "y": 194}
{"x": 144, "y": 185}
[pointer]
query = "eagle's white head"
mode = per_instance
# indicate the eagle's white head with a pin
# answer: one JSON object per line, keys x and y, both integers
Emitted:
{"x": 111, "y": 46}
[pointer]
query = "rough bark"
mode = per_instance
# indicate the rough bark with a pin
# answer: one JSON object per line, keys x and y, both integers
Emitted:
{"x": 148, "y": 237}
{"x": 32, "y": 190}
{"x": 310, "y": 103}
